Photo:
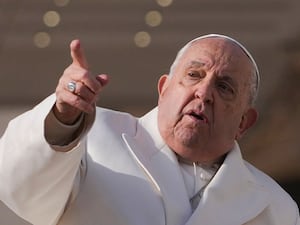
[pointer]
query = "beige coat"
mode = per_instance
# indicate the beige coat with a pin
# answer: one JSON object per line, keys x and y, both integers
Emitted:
{"x": 128, "y": 176}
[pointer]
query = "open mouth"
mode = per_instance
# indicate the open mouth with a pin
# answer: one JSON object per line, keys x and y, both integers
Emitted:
{"x": 198, "y": 116}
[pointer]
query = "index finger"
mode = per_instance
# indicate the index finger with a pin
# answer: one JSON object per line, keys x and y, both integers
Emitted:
{"x": 77, "y": 54}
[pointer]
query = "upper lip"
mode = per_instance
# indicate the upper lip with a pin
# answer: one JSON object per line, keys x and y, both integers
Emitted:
{"x": 198, "y": 114}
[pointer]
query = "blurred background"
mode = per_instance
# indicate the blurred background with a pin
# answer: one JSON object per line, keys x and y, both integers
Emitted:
{"x": 135, "y": 41}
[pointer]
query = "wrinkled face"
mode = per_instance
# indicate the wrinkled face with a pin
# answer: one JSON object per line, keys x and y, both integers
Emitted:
{"x": 204, "y": 106}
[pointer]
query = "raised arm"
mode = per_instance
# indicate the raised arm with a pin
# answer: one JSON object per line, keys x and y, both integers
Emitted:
{"x": 36, "y": 179}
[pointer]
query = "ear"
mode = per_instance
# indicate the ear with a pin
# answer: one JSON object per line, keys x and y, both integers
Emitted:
{"x": 248, "y": 120}
{"x": 162, "y": 84}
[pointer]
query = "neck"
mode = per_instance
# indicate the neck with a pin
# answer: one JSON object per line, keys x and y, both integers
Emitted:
{"x": 213, "y": 163}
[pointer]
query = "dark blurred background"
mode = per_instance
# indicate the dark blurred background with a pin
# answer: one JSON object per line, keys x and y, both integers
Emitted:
{"x": 135, "y": 41}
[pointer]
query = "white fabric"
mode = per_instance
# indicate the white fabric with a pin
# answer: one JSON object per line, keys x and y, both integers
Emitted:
{"x": 127, "y": 177}
{"x": 195, "y": 177}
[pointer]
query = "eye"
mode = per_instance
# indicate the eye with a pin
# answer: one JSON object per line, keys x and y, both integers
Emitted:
{"x": 225, "y": 88}
{"x": 193, "y": 74}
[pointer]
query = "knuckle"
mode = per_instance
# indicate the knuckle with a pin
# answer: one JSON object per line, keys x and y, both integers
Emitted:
{"x": 85, "y": 77}
{"x": 84, "y": 74}
{"x": 79, "y": 88}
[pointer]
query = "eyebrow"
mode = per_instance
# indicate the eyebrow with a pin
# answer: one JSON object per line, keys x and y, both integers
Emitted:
{"x": 224, "y": 77}
{"x": 196, "y": 64}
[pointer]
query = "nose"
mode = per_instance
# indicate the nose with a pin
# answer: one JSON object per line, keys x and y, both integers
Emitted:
{"x": 204, "y": 91}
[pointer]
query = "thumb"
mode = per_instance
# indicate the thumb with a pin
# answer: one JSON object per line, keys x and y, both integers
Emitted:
{"x": 103, "y": 79}
{"x": 77, "y": 54}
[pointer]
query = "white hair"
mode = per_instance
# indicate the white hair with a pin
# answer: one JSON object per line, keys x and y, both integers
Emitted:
{"x": 255, "y": 78}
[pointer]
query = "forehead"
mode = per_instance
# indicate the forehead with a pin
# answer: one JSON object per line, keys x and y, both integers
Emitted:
{"x": 218, "y": 52}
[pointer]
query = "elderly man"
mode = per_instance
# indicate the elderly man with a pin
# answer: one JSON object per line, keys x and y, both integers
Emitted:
{"x": 67, "y": 163}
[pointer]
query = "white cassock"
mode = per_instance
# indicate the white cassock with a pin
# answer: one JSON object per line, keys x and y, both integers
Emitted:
{"x": 122, "y": 173}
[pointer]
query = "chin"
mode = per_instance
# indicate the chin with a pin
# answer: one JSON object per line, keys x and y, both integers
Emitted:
{"x": 187, "y": 137}
{"x": 195, "y": 151}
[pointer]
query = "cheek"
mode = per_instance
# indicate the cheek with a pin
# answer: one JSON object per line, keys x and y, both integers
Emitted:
{"x": 171, "y": 100}
{"x": 170, "y": 106}
{"x": 230, "y": 118}
{"x": 167, "y": 108}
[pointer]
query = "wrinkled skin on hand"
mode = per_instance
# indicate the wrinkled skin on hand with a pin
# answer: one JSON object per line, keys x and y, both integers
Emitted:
{"x": 69, "y": 105}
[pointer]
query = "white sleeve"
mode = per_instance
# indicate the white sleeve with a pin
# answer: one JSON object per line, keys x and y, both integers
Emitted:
{"x": 37, "y": 179}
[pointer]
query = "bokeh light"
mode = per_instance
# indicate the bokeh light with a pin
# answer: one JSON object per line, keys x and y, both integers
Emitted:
{"x": 42, "y": 39}
{"x": 142, "y": 39}
{"x": 164, "y": 3}
{"x": 153, "y": 18}
{"x": 51, "y": 18}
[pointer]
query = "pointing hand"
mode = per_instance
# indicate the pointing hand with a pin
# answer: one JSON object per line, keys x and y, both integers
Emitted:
{"x": 70, "y": 103}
